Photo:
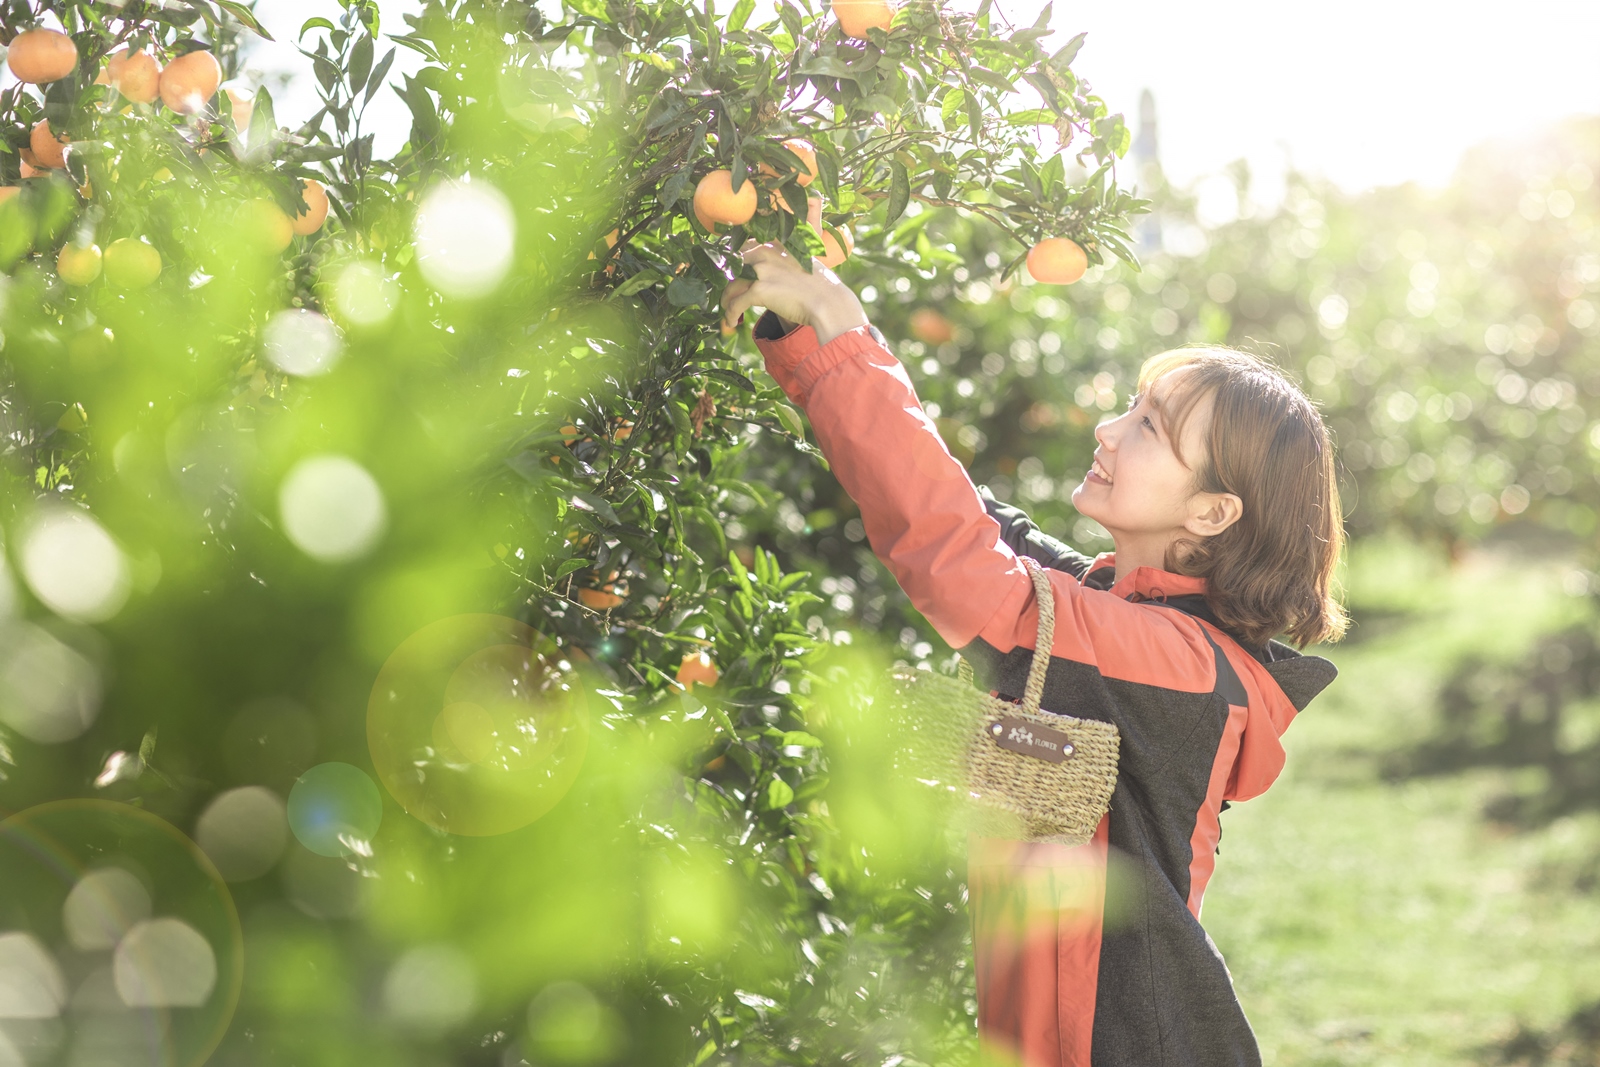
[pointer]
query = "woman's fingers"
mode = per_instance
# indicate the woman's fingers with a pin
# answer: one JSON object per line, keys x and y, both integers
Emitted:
{"x": 739, "y": 297}
{"x": 767, "y": 256}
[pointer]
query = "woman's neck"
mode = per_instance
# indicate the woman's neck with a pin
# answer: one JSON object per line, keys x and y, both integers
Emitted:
{"x": 1146, "y": 551}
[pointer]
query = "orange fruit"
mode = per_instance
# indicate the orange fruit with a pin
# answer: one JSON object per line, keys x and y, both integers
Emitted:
{"x": 244, "y": 105}
{"x": 30, "y": 164}
{"x": 716, "y": 202}
{"x": 624, "y": 431}
{"x": 189, "y": 81}
{"x": 136, "y": 75}
{"x": 808, "y": 160}
{"x": 856, "y": 17}
{"x": 836, "y": 255}
{"x": 41, "y": 55}
{"x": 930, "y": 327}
{"x": 698, "y": 667}
{"x": 268, "y": 227}
{"x": 310, "y": 221}
{"x": 131, "y": 264}
{"x": 48, "y": 149}
{"x": 79, "y": 264}
{"x": 1057, "y": 261}
{"x": 600, "y": 599}
{"x": 569, "y": 434}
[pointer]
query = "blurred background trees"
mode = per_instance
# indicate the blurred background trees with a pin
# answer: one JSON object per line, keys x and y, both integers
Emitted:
{"x": 305, "y": 533}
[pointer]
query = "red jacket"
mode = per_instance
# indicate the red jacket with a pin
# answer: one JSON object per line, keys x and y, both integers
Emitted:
{"x": 1106, "y": 972}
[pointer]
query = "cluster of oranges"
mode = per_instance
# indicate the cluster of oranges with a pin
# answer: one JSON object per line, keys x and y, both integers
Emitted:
{"x": 185, "y": 86}
{"x": 717, "y": 204}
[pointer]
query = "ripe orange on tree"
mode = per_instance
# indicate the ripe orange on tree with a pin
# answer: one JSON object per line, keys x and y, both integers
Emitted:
{"x": 42, "y": 55}
{"x": 136, "y": 75}
{"x": 603, "y": 599}
{"x": 698, "y": 667}
{"x": 930, "y": 327}
{"x": 1057, "y": 261}
{"x": 715, "y": 201}
{"x": 836, "y": 253}
{"x": 48, "y": 149}
{"x": 856, "y": 17}
{"x": 316, "y": 197}
{"x": 131, "y": 264}
{"x": 267, "y": 227}
{"x": 189, "y": 81}
{"x": 79, "y": 264}
{"x": 808, "y": 160}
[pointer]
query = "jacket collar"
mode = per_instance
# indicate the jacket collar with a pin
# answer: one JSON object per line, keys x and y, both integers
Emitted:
{"x": 1143, "y": 583}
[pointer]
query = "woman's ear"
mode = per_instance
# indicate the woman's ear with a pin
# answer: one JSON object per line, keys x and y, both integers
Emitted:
{"x": 1211, "y": 513}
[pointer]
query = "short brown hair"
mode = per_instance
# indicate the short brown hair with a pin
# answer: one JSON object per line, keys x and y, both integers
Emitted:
{"x": 1271, "y": 572}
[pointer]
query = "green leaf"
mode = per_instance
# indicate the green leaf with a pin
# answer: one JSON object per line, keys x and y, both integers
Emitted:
{"x": 740, "y": 15}
{"x": 687, "y": 291}
{"x": 899, "y": 192}
{"x": 567, "y": 567}
{"x": 801, "y": 739}
{"x": 360, "y": 64}
{"x": 639, "y": 282}
{"x": 1063, "y": 59}
{"x": 791, "y": 420}
{"x": 674, "y": 188}
{"x": 804, "y": 243}
{"x": 375, "y": 80}
{"x": 732, "y": 376}
{"x": 779, "y": 794}
{"x": 316, "y": 22}
{"x": 245, "y": 16}
{"x": 951, "y": 106}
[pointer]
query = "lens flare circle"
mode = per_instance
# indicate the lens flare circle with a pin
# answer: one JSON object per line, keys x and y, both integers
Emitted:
{"x": 335, "y": 809}
{"x": 465, "y": 238}
{"x": 477, "y": 725}
{"x": 154, "y": 955}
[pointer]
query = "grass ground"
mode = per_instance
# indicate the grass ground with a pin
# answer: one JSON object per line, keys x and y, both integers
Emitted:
{"x": 1376, "y": 922}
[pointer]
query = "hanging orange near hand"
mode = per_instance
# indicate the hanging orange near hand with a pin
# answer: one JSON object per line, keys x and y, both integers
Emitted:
{"x": 836, "y": 253}
{"x": 48, "y": 149}
{"x": 716, "y": 202}
{"x": 698, "y": 667}
{"x": 1057, "y": 261}
{"x": 808, "y": 162}
{"x": 856, "y": 17}
{"x": 189, "y": 81}
{"x": 311, "y": 219}
{"x": 136, "y": 75}
{"x": 42, "y": 55}
{"x": 131, "y": 264}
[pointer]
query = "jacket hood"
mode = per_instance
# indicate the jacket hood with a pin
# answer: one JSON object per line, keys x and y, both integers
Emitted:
{"x": 1273, "y": 683}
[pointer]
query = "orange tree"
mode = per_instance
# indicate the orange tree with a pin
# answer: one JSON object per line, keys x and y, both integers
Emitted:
{"x": 246, "y": 493}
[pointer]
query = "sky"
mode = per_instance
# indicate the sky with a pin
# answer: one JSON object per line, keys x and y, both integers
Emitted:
{"x": 1365, "y": 92}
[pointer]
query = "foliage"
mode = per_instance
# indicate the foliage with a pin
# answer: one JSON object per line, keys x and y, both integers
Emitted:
{"x": 570, "y": 443}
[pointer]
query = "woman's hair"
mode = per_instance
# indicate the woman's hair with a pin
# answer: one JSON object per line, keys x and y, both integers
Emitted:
{"x": 1271, "y": 572}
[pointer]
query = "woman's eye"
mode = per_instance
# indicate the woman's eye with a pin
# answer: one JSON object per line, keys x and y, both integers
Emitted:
{"x": 1148, "y": 424}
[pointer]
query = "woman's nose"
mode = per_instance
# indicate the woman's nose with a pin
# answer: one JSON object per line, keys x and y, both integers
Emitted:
{"x": 1105, "y": 433}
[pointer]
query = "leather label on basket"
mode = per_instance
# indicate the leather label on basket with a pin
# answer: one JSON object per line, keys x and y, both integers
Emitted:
{"x": 1031, "y": 739}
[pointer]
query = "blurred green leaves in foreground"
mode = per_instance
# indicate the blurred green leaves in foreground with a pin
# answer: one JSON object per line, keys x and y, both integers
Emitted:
{"x": 319, "y": 551}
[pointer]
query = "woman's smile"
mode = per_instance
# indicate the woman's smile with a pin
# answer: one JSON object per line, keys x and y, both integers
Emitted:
{"x": 1097, "y": 473}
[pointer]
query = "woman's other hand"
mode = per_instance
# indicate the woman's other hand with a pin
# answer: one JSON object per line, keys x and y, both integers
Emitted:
{"x": 818, "y": 299}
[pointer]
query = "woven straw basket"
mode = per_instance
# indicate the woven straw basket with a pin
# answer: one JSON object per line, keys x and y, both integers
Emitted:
{"x": 1022, "y": 772}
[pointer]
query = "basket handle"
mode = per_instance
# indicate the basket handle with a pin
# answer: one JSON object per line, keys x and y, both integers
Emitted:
{"x": 1034, "y": 693}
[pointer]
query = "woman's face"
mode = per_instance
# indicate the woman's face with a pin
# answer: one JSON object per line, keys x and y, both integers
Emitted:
{"x": 1137, "y": 487}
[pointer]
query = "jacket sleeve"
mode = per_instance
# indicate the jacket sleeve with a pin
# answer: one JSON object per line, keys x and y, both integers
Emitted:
{"x": 927, "y": 523}
{"x": 1024, "y": 537}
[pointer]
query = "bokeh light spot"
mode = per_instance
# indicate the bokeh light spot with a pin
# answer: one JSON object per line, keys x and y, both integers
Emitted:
{"x": 334, "y": 809}
{"x": 73, "y": 565}
{"x": 31, "y": 984}
{"x": 332, "y": 509}
{"x": 49, "y": 691}
{"x": 164, "y": 963}
{"x": 301, "y": 342}
{"x": 569, "y": 1024}
{"x": 477, "y": 724}
{"x": 244, "y": 831}
{"x": 431, "y": 987}
{"x": 363, "y": 295}
{"x": 465, "y": 238}
{"x": 102, "y": 907}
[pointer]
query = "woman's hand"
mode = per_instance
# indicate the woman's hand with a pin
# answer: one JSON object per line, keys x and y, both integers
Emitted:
{"x": 819, "y": 299}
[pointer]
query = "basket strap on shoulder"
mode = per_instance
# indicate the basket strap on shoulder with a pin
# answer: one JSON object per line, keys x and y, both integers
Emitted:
{"x": 1034, "y": 693}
